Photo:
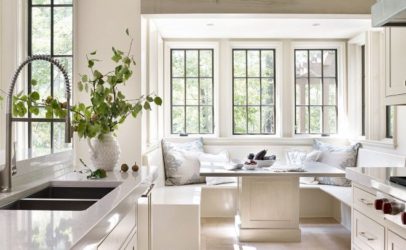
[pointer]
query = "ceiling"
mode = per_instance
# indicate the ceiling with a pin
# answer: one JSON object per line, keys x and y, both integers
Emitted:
{"x": 261, "y": 26}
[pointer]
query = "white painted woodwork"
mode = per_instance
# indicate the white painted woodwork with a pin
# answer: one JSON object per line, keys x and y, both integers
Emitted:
{"x": 395, "y": 39}
{"x": 368, "y": 234}
{"x": 395, "y": 242}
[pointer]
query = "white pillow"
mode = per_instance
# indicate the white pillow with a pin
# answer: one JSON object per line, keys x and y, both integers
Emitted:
{"x": 210, "y": 160}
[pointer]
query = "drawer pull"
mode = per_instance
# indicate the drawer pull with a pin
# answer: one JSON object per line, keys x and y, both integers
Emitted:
{"x": 363, "y": 234}
{"x": 366, "y": 202}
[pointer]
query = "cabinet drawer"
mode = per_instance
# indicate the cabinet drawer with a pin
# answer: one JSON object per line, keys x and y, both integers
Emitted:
{"x": 367, "y": 233}
{"x": 364, "y": 201}
{"x": 395, "y": 242}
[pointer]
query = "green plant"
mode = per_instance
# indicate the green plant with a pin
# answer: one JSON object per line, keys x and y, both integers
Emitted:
{"x": 109, "y": 106}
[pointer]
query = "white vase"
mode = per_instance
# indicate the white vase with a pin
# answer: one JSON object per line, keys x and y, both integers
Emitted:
{"x": 105, "y": 152}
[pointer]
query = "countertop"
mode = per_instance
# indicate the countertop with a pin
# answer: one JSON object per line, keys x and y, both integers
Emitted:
{"x": 278, "y": 169}
{"x": 378, "y": 178}
{"x": 71, "y": 229}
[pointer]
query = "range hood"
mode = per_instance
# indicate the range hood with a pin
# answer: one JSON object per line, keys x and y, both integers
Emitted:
{"x": 389, "y": 13}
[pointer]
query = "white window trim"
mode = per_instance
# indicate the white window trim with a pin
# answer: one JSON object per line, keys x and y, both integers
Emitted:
{"x": 228, "y": 94}
{"x": 341, "y": 81}
{"x": 168, "y": 45}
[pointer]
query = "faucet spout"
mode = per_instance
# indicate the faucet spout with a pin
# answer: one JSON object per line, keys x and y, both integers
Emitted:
{"x": 10, "y": 168}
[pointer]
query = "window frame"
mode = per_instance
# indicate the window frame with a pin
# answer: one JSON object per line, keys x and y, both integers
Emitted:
{"x": 29, "y": 119}
{"x": 260, "y": 77}
{"x": 167, "y": 88}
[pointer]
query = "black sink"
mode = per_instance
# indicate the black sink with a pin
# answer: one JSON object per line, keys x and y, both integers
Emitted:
{"x": 57, "y": 205}
{"x": 71, "y": 193}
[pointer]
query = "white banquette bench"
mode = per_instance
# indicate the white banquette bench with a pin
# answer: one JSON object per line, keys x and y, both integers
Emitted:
{"x": 177, "y": 210}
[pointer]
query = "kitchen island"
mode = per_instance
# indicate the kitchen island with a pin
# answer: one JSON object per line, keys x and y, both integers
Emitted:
{"x": 86, "y": 229}
{"x": 268, "y": 204}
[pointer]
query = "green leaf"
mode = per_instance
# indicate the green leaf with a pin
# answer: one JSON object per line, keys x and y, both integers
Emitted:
{"x": 35, "y": 96}
{"x": 97, "y": 74}
{"x": 80, "y": 86}
{"x": 93, "y": 53}
{"x": 116, "y": 57}
{"x": 34, "y": 82}
{"x": 90, "y": 63}
{"x": 120, "y": 95}
{"x": 158, "y": 100}
{"x": 150, "y": 99}
{"x": 147, "y": 106}
{"x": 127, "y": 32}
{"x": 85, "y": 78}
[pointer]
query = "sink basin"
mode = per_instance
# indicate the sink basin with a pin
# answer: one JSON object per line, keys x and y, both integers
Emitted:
{"x": 46, "y": 204}
{"x": 71, "y": 193}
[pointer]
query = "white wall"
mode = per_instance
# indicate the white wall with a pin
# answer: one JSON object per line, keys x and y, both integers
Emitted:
{"x": 101, "y": 24}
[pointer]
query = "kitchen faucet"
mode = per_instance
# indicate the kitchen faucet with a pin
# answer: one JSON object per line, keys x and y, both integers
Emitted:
{"x": 10, "y": 168}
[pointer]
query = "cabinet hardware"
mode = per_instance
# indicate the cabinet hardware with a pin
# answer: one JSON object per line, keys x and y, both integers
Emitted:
{"x": 363, "y": 234}
{"x": 146, "y": 194}
{"x": 366, "y": 202}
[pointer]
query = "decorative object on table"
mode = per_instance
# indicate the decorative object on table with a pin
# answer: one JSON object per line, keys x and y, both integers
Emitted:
{"x": 260, "y": 155}
{"x": 124, "y": 167}
{"x": 135, "y": 167}
{"x": 234, "y": 164}
{"x": 262, "y": 159}
{"x": 97, "y": 174}
{"x": 108, "y": 110}
{"x": 250, "y": 165}
{"x": 296, "y": 157}
{"x": 337, "y": 156}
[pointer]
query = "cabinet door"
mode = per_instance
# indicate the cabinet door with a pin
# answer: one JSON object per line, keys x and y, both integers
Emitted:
{"x": 395, "y": 242}
{"x": 395, "y": 40}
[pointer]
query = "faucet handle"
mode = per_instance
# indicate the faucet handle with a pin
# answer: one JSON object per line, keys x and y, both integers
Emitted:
{"x": 14, "y": 160}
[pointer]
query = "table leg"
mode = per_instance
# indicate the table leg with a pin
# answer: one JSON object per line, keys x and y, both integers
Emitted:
{"x": 269, "y": 209}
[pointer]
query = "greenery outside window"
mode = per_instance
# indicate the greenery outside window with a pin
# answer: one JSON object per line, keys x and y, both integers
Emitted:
{"x": 192, "y": 91}
{"x": 50, "y": 32}
{"x": 316, "y": 91}
{"x": 253, "y": 91}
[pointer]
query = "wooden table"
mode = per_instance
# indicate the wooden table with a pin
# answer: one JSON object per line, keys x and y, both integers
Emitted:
{"x": 268, "y": 202}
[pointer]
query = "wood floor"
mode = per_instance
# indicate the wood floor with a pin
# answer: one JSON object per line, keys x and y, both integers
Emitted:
{"x": 317, "y": 234}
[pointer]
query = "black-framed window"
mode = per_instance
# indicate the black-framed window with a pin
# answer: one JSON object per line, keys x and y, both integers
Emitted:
{"x": 316, "y": 90}
{"x": 50, "y": 32}
{"x": 390, "y": 121}
{"x": 192, "y": 91}
{"x": 254, "y": 91}
{"x": 363, "y": 82}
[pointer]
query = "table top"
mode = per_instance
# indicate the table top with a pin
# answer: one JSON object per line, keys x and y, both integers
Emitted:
{"x": 314, "y": 169}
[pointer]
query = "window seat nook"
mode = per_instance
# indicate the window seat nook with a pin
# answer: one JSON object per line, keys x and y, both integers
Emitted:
{"x": 184, "y": 206}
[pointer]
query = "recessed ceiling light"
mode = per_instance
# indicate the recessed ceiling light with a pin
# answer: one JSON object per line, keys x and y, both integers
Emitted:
{"x": 315, "y": 24}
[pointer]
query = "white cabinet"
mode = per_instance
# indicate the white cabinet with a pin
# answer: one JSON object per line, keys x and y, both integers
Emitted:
{"x": 368, "y": 234}
{"x": 395, "y": 242}
{"x": 395, "y": 65}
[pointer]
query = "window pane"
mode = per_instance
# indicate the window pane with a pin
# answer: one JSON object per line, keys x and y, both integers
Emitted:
{"x": 315, "y": 91}
{"x": 267, "y": 63}
{"x": 192, "y": 120}
{"x": 302, "y": 91}
{"x": 206, "y": 63}
{"x": 41, "y": 30}
{"x": 315, "y": 120}
{"x": 329, "y": 63}
{"x": 240, "y": 120}
{"x": 62, "y": 1}
{"x": 330, "y": 89}
{"x": 178, "y": 120}
{"x": 330, "y": 120}
{"x": 268, "y": 120}
{"x": 206, "y": 120}
{"x": 253, "y": 63}
{"x": 178, "y": 63}
{"x": 267, "y": 91}
{"x": 315, "y": 63}
{"x": 41, "y": 138}
{"x": 206, "y": 91}
{"x": 240, "y": 90}
{"x": 40, "y": 71}
{"x": 301, "y": 63}
{"x": 59, "y": 80}
{"x": 59, "y": 138}
{"x": 178, "y": 91}
{"x": 41, "y": 2}
{"x": 254, "y": 91}
{"x": 192, "y": 91}
{"x": 254, "y": 120}
{"x": 239, "y": 63}
{"x": 302, "y": 120}
{"x": 63, "y": 31}
{"x": 192, "y": 63}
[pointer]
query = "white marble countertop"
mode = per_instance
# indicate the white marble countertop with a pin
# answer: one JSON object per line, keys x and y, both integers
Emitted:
{"x": 23, "y": 229}
{"x": 378, "y": 178}
{"x": 278, "y": 169}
